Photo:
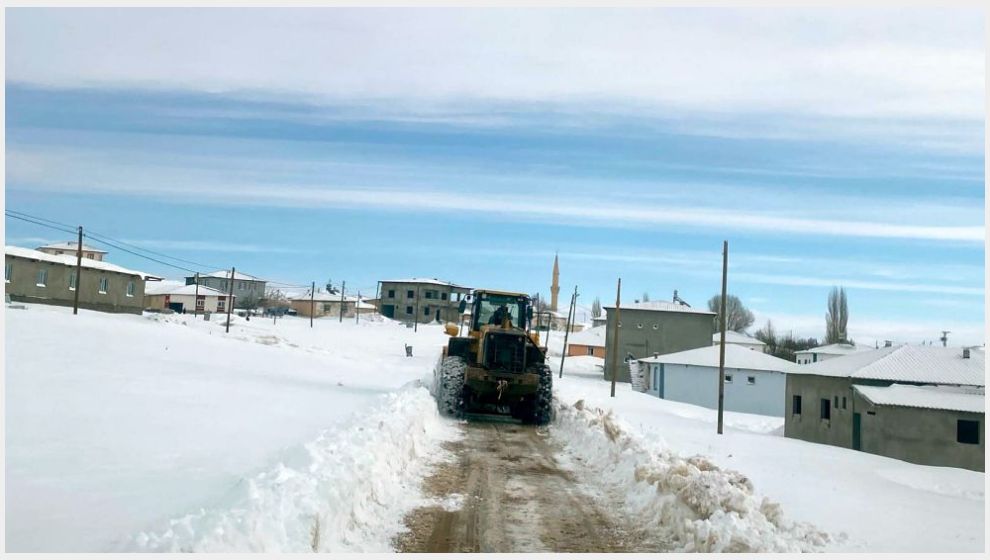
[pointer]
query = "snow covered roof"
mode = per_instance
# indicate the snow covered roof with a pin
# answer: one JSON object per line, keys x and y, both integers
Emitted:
{"x": 70, "y": 260}
{"x": 838, "y": 349}
{"x": 912, "y": 364}
{"x": 323, "y": 296}
{"x": 926, "y": 396}
{"x": 433, "y": 281}
{"x": 735, "y": 357}
{"x": 226, "y": 274}
{"x": 592, "y": 337}
{"x": 174, "y": 289}
{"x": 71, "y": 246}
{"x": 661, "y": 305}
{"x": 733, "y": 337}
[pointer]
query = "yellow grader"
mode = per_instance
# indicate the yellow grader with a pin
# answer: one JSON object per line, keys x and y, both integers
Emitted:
{"x": 499, "y": 366}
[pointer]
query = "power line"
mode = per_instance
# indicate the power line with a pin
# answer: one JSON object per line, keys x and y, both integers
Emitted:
{"x": 25, "y": 214}
{"x": 100, "y": 236}
{"x": 9, "y": 215}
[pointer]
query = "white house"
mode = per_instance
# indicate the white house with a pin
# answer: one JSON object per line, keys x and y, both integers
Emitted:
{"x": 755, "y": 382}
{"x": 821, "y": 353}
{"x": 739, "y": 339}
{"x": 185, "y": 298}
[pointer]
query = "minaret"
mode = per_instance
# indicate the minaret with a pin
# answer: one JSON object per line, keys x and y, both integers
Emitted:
{"x": 555, "y": 286}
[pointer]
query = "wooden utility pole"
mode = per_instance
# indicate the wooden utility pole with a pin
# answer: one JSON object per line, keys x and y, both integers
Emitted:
{"x": 342, "y": 286}
{"x": 721, "y": 344}
{"x": 75, "y": 297}
{"x": 416, "y": 311}
{"x": 196, "y": 297}
{"x": 567, "y": 330}
{"x": 357, "y": 309}
{"x": 312, "y": 303}
{"x": 615, "y": 337}
{"x": 230, "y": 298}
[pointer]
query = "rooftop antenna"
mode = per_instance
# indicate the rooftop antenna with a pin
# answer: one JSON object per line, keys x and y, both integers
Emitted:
{"x": 945, "y": 338}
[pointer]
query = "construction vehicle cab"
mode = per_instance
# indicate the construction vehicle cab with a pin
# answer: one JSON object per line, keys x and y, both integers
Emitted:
{"x": 499, "y": 366}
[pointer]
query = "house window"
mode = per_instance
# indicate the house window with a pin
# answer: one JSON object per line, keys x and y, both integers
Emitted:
{"x": 72, "y": 280}
{"x": 200, "y": 303}
{"x": 130, "y": 289}
{"x": 639, "y": 325}
{"x": 843, "y": 402}
{"x": 42, "y": 278}
{"x": 751, "y": 380}
{"x": 796, "y": 404}
{"x": 326, "y": 307}
{"x": 655, "y": 326}
{"x": 409, "y": 310}
{"x": 410, "y": 294}
{"x": 391, "y": 294}
{"x": 104, "y": 285}
{"x": 836, "y": 402}
{"x": 443, "y": 297}
{"x": 90, "y": 256}
{"x": 968, "y": 431}
{"x": 426, "y": 310}
{"x": 221, "y": 304}
{"x": 826, "y": 409}
{"x": 591, "y": 350}
{"x": 428, "y": 294}
{"x": 223, "y": 286}
{"x": 728, "y": 378}
{"x": 7, "y": 271}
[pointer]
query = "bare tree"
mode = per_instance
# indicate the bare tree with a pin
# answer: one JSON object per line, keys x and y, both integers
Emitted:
{"x": 737, "y": 317}
{"x": 646, "y": 296}
{"x": 596, "y": 308}
{"x": 836, "y": 317}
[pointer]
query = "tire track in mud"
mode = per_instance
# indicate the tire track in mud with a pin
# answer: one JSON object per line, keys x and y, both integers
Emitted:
{"x": 506, "y": 492}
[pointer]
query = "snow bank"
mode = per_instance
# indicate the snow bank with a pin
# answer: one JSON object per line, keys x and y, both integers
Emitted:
{"x": 346, "y": 491}
{"x": 698, "y": 506}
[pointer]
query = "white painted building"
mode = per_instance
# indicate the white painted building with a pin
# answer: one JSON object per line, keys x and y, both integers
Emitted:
{"x": 822, "y": 353}
{"x": 740, "y": 339}
{"x": 755, "y": 382}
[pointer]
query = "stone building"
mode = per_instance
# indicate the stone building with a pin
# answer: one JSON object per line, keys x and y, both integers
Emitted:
{"x": 421, "y": 300}
{"x": 247, "y": 288}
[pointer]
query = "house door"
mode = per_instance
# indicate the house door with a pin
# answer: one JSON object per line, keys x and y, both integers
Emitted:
{"x": 857, "y": 443}
{"x": 388, "y": 311}
{"x": 438, "y": 315}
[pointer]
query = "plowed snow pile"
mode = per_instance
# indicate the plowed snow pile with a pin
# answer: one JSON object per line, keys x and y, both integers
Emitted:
{"x": 700, "y": 507}
{"x": 346, "y": 491}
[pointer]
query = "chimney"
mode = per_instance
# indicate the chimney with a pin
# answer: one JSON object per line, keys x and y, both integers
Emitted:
{"x": 966, "y": 353}
{"x": 657, "y": 354}
{"x": 888, "y": 343}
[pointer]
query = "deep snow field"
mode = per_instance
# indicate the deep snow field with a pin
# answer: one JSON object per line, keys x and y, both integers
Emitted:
{"x": 160, "y": 432}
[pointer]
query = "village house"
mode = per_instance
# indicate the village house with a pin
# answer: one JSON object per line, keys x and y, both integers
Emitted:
{"x": 32, "y": 276}
{"x": 587, "y": 343}
{"x": 858, "y": 401}
{"x": 739, "y": 339}
{"x": 324, "y": 304}
{"x": 72, "y": 248}
{"x": 421, "y": 300}
{"x": 655, "y": 327}
{"x": 821, "y": 353}
{"x": 248, "y": 290}
{"x": 185, "y": 298}
{"x": 755, "y": 382}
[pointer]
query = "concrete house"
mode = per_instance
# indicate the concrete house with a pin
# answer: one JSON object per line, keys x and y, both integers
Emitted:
{"x": 38, "y": 277}
{"x": 587, "y": 343}
{"x": 739, "y": 339}
{"x": 185, "y": 298}
{"x": 325, "y": 304}
{"x": 421, "y": 300}
{"x": 821, "y": 353}
{"x": 71, "y": 248}
{"x": 833, "y": 402}
{"x": 755, "y": 382}
{"x": 246, "y": 287}
{"x": 655, "y": 327}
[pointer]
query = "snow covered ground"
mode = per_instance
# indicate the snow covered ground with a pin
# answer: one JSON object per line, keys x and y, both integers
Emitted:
{"x": 163, "y": 433}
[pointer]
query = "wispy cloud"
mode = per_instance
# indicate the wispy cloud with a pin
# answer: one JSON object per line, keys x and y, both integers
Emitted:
{"x": 210, "y": 246}
{"x": 868, "y": 329}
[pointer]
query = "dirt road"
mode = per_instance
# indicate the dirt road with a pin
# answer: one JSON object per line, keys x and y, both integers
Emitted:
{"x": 506, "y": 491}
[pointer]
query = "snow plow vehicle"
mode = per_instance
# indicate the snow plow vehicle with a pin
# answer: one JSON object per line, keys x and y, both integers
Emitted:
{"x": 499, "y": 366}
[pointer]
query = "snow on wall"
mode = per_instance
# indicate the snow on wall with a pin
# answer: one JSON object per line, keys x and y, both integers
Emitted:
{"x": 700, "y": 507}
{"x": 346, "y": 491}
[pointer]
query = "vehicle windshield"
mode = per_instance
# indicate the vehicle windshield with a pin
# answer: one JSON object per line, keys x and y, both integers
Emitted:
{"x": 487, "y": 308}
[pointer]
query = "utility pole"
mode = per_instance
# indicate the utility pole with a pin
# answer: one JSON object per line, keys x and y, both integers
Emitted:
{"x": 342, "y": 285}
{"x": 230, "y": 303}
{"x": 539, "y": 316}
{"x": 615, "y": 337}
{"x": 196, "y": 297}
{"x": 75, "y": 297}
{"x": 567, "y": 330}
{"x": 944, "y": 339}
{"x": 312, "y": 303}
{"x": 721, "y": 344}
{"x": 357, "y": 309}
{"x": 416, "y": 311}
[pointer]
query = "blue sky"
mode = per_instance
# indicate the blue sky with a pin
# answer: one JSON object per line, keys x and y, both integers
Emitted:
{"x": 828, "y": 148}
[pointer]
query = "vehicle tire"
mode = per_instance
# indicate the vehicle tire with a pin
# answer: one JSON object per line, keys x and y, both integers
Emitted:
{"x": 541, "y": 404}
{"x": 450, "y": 393}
